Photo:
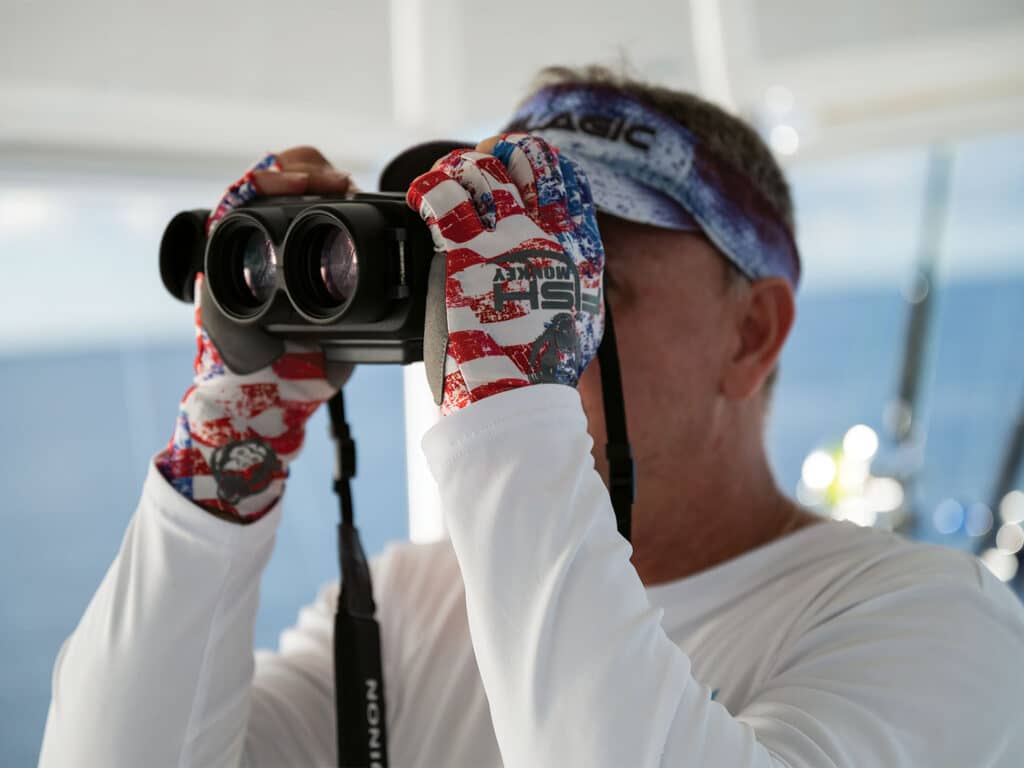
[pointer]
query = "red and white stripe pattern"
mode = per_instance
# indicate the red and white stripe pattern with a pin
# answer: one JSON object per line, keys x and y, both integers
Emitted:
{"x": 483, "y": 209}
{"x": 222, "y": 408}
{"x": 271, "y": 405}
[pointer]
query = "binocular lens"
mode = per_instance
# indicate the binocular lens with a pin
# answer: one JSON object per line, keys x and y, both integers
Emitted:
{"x": 242, "y": 268}
{"x": 339, "y": 263}
{"x": 322, "y": 267}
{"x": 259, "y": 266}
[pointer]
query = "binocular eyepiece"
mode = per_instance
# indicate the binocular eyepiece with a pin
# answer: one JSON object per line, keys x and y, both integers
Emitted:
{"x": 350, "y": 274}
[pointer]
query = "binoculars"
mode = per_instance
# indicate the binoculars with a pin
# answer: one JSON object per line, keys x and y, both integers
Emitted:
{"x": 352, "y": 275}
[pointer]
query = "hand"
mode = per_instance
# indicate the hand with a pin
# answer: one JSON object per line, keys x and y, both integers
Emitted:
{"x": 296, "y": 171}
{"x": 516, "y": 223}
{"x": 236, "y": 434}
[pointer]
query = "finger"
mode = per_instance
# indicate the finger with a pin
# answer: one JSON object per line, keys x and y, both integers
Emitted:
{"x": 446, "y": 206}
{"x": 304, "y": 167}
{"x": 280, "y": 182}
{"x": 302, "y": 155}
{"x": 485, "y": 178}
{"x": 487, "y": 145}
{"x": 573, "y": 195}
{"x": 437, "y": 163}
{"x": 581, "y": 199}
{"x": 242, "y": 191}
{"x": 330, "y": 182}
{"x": 533, "y": 165}
{"x": 323, "y": 178}
{"x": 584, "y": 215}
{"x": 586, "y": 193}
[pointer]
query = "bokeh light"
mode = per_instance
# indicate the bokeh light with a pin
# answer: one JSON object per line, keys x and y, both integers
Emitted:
{"x": 884, "y": 494}
{"x": 1011, "y": 508}
{"x": 918, "y": 289}
{"x": 979, "y": 519}
{"x": 784, "y": 139}
{"x": 1004, "y": 566}
{"x": 852, "y": 474}
{"x": 819, "y": 470}
{"x": 898, "y": 417}
{"x": 856, "y": 509}
{"x": 1010, "y": 538}
{"x": 860, "y": 443}
{"x": 948, "y": 516}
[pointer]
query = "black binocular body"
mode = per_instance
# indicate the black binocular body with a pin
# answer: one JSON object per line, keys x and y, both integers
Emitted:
{"x": 352, "y": 275}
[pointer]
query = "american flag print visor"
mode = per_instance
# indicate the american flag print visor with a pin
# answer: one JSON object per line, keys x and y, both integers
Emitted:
{"x": 645, "y": 167}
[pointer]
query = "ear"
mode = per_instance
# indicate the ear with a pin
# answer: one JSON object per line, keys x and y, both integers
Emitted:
{"x": 764, "y": 315}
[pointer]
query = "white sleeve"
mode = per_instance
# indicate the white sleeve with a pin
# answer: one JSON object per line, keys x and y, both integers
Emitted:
{"x": 575, "y": 664}
{"x": 159, "y": 669}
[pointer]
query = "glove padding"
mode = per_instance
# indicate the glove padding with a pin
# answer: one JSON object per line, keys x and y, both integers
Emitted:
{"x": 236, "y": 432}
{"x": 524, "y": 265}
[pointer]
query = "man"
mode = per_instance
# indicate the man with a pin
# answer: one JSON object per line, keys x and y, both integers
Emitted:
{"x": 737, "y": 631}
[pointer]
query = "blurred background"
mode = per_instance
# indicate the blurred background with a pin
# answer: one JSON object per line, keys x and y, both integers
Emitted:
{"x": 901, "y": 123}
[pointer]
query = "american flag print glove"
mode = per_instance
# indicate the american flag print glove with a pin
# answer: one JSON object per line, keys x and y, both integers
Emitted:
{"x": 236, "y": 434}
{"x": 523, "y": 293}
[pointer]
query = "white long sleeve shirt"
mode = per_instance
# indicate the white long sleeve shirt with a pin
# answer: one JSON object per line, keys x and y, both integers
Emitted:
{"x": 529, "y": 640}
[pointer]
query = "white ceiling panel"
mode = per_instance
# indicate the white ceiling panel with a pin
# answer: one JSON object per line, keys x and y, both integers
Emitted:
{"x": 504, "y": 51}
{"x": 191, "y": 78}
{"x": 201, "y": 85}
{"x": 796, "y": 28}
{"x": 284, "y": 54}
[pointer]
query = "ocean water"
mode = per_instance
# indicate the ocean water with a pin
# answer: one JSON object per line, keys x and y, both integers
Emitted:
{"x": 80, "y": 428}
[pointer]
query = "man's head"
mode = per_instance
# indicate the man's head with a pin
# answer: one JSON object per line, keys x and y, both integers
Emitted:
{"x": 701, "y": 268}
{"x": 728, "y": 137}
{"x": 698, "y": 339}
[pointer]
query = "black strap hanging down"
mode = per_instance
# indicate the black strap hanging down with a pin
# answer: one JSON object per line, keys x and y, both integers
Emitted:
{"x": 358, "y": 678}
{"x": 621, "y": 469}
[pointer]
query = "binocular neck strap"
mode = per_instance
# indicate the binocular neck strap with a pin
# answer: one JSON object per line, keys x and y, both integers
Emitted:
{"x": 621, "y": 469}
{"x": 358, "y": 678}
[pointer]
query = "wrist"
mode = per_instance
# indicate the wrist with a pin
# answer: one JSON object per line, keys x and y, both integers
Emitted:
{"x": 218, "y": 458}
{"x": 237, "y": 490}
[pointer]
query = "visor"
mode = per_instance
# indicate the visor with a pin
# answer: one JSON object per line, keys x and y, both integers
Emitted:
{"x": 646, "y": 168}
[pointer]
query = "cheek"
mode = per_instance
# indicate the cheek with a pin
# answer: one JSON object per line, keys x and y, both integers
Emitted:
{"x": 671, "y": 385}
{"x": 671, "y": 346}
